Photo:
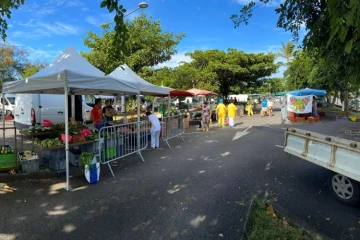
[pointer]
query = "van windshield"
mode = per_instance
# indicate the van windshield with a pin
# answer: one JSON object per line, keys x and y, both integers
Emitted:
{"x": 90, "y": 100}
{"x": 11, "y": 100}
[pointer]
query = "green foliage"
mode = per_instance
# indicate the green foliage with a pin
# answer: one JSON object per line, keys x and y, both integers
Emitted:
{"x": 13, "y": 62}
{"x": 224, "y": 72}
{"x": 32, "y": 68}
{"x": 147, "y": 46}
{"x": 287, "y": 50}
{"x": 5, "y": 12}
{"x": 267, "y": 226}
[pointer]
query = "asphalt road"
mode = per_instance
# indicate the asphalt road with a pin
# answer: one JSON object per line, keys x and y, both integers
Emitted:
{"x": 193, "y": 191}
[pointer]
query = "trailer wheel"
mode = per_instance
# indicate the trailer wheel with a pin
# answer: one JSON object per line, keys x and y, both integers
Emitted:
{"x": 345, "y": 189}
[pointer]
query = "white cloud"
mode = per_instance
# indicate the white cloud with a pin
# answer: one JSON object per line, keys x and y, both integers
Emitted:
{"x": 175, "y": 61}
{"x": 42, "y": 55}
{"x": 49, "y": 45}
{"x": 45, "y": 11}
{"x": 36, "y": 30}
{"x": 100, "y": 19}
{"x": 66, "y": 3}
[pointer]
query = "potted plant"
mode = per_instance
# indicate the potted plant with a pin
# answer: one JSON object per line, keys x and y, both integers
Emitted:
{"x": 91, "y": 166}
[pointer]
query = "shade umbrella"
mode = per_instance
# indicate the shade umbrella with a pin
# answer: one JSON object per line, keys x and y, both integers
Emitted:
{"x": 196, "y": 92}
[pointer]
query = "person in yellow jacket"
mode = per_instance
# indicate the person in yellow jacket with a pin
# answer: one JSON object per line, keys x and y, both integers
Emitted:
{"x": 221, "y": 112}
{"x": 249, "y": 107}
{"x": 231, "y": 108}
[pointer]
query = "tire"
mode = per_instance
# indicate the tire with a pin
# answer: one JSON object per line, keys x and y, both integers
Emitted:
{"x": 344, "y": 189}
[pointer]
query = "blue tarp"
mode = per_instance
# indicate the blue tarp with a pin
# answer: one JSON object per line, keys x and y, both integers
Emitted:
{"x": 308, "y": 91}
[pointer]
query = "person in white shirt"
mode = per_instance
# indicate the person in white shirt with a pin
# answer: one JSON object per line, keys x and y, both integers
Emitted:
{"x": 155, "y": 129}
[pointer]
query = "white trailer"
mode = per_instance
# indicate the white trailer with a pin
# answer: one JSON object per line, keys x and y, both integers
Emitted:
{"x": 340, "y": 156}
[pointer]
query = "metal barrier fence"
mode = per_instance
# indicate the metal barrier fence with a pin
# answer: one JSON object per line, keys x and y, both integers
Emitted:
{"x": 171, "y": 127}
{"x": 118, "y": 141}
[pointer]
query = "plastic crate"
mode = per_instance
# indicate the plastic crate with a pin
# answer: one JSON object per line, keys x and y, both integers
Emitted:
{"x": 8, "y": 161}
{"x": 54, "y": 154}
{"x": 55, "y": 164}
{"x": 30, "y": 166}
{"x": 110, "y": 152}
{"x": 74, "y": 157}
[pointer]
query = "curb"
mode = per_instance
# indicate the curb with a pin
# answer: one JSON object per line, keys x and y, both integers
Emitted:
{"x": 289, "y": 216}
{"x": 297, "y": 221}
{"x": 246, "y": 223}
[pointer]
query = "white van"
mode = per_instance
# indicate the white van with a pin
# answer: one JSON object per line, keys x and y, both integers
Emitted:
{"x": 9, "y": 102}
{"x": 51, "y": 107}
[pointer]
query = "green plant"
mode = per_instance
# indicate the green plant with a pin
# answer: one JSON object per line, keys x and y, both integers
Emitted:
{"x": 86, "y": 158}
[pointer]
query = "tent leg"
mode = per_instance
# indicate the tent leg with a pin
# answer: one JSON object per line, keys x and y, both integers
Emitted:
{"x": 73, "y": 106}
{"x": 122, "y": 106}
{"x": 169, "y": 105}
{"x": 3, "y": 115}
{"x": 68, "y": 187}
{"x": 138, "y": 123}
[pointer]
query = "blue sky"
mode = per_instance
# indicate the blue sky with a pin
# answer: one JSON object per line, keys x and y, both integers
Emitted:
{"x": 45, "y": 28}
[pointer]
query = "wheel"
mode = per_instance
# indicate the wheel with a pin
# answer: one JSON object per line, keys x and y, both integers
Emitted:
{"x": 345, "y": 189}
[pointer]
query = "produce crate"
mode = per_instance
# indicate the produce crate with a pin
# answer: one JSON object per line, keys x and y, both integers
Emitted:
{"x": 74, "y": 157}
{"x": 300, "y": 119}
{"x": 54, "y": 154}
{"x": 8, "y": 161}
{"x": 29, "y": 165}
{"x": 110, "y": 152}
{"x": 55, "y": 164}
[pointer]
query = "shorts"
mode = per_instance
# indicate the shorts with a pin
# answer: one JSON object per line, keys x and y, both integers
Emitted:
{"x": 206, "y": 119}
{"x": 264, "y": 109}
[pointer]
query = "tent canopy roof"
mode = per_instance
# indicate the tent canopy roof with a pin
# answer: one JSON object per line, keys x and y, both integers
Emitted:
{"x": 70, "y": 70}
{"x": 124, "y": 73}
{"x": 308, "y": 91}
{"x": 196, "y": 92}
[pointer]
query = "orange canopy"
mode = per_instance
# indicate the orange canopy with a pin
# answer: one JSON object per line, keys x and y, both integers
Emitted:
{"x": 196, "y": 92}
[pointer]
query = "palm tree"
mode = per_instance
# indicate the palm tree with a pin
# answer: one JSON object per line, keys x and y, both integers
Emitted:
{"x": 287, "y": 50}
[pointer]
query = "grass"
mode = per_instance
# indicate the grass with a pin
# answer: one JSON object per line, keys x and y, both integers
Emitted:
{"x": 264, "y": 224}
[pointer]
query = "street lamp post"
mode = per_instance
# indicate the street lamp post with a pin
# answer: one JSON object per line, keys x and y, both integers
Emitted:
{"x": 140, "y": 6}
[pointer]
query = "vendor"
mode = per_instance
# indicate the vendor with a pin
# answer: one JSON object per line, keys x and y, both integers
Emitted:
{"x": 314, "y": 107}
{"x": 108, "y": 111}
{"x": 96, "y": 114}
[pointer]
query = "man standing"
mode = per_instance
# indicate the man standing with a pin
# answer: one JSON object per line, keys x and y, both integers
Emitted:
{"x": 231, "y": 113}
{"x": 206, "y": 116}
{"x": 221, "y": 112}
{"x": 270, "y": 107}
{"x": 96, "y": 114}
{"x": 155, "y": 129}
{"x": 264, "y": 107}
{"x": 249, "y": 106}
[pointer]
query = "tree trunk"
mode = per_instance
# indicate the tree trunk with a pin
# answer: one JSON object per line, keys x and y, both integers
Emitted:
{"x": 328, "y": 100}
{"x": 346, "y": 100}
{"x": 334, "y": 99}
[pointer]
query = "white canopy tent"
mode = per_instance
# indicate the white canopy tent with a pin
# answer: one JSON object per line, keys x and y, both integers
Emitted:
{"x": 71, "y": 74}
{"x": 129, "y": 76}
{"x": 123, "y": 72}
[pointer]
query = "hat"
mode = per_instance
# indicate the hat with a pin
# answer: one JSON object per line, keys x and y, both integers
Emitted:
{"x": 221, "y": 101}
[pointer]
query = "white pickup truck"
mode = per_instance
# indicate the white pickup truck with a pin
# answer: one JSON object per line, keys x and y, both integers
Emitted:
{"x": 339, "y": 155}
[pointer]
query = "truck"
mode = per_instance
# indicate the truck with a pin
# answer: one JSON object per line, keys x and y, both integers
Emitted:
{"x": 32, "y": 109}
{"x": 9, "y": 104}
{"x": 339, "y": 155}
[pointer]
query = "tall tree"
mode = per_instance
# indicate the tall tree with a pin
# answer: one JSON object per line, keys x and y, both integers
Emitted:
{"x": 148, "y": 46}
{"x": 12, "y": 63}
{"x": 287, "y": 50}
{"x": 221, "y": 71}
{"x": 32, "y": 68}
{"x": 333, "y": 33}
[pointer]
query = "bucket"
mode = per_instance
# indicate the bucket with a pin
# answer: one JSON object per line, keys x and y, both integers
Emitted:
{"x": 46, "y": 123}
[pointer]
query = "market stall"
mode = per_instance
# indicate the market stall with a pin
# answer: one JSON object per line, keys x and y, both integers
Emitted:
{"x": 301, "y": 106}
{"x": 70, "y": 74}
